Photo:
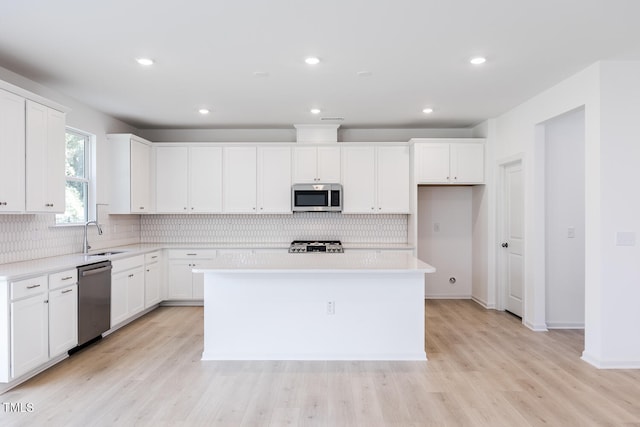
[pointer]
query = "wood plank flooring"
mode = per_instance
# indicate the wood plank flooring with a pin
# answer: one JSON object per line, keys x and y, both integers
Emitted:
{"x": 484, "y": 369}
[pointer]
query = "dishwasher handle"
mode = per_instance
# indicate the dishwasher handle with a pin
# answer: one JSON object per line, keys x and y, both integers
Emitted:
{"x": 96, "y": 271}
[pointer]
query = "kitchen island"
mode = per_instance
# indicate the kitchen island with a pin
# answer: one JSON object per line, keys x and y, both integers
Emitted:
{"x": 317, "y": 306}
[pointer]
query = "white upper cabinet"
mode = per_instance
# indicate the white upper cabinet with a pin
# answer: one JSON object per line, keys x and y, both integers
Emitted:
{"x": 205, "y": 179}
{"x": 188, "y": 179}
{"x": 274, "y": 180}
{"x": 239, "y": 179}
{"x": 130, "y": 174}
{"x": 393, "y": 179}
{"x": 12, "y": 152}
{"x": 359, "y": 180}
{"x": 449, "y": 161}
{"x": 376, "y": 179}
{"x": 316, "y": 164}
{"x": 45, "y": 158}
{"x": 172, "y": 179}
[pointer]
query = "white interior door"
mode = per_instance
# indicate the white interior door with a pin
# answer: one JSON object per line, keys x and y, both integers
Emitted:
{"x": 513, "y": 238}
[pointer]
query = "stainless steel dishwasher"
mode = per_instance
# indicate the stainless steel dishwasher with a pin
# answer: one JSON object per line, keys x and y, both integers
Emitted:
{"x": 94, "y": 301}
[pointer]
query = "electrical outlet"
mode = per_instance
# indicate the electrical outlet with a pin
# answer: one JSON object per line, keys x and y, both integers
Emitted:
{"x": 331, "y": 307}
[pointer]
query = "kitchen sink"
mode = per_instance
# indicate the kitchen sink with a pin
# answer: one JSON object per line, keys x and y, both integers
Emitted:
{"x": 106, "y": 253}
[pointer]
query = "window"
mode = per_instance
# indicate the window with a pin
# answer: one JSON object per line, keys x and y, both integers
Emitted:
{"x": 78, "y": 155}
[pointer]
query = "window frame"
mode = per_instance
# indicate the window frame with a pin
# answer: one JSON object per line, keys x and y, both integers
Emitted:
{"x": 87, "y": 180}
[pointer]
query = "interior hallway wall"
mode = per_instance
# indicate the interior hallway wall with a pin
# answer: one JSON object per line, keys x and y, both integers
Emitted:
{"x": 445, "y": 239}
{"x": 564, "y": 205}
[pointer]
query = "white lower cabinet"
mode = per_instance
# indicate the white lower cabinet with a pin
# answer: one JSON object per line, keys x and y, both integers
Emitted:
{"x": 183, "y": 284}
{"x": 127, "y": 289}
{"x": 152, "y": 279}
{"x": 29, "y": 325}
{"x": 63, "y": 319}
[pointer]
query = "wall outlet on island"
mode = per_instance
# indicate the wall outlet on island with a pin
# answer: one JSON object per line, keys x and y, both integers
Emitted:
{"x": 331, "y": 307}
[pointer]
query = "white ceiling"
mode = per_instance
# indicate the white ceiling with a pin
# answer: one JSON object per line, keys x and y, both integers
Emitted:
{"x": 207, "y": 51}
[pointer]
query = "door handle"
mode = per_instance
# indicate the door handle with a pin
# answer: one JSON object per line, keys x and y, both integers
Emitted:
{"x": 505, "y": 245}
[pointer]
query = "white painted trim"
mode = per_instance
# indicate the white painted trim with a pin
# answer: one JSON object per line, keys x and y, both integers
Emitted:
{"x": 16, "y": 382}
{"x": 421, "y": 356}
{"x": 447, "y": 296}
{"x": 483, "y": 304}
{"x": 610, "y": 364}
{"x": 33, "y": 97}
{"x": 534, "y": 327}
{"x": 182, "y": 303}
{"x": 565, "y": 325}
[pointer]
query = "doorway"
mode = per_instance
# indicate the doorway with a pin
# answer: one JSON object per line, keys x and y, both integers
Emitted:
{"x": 564, "y": 169}
{"x": 511, "y": 251}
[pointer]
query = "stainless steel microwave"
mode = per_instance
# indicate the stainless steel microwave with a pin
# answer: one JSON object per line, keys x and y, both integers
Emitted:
{"x": 316, "y": 198}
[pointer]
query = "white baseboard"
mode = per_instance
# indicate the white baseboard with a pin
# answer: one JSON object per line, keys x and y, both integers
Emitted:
{"x": 182, "y": 303}
{"x": 537, "y": 328}
{"x": 610, "y": 364}
{"x": 565, "y": 325}
{"x": 439, "y": 296}
{"x": 483, "y": 303}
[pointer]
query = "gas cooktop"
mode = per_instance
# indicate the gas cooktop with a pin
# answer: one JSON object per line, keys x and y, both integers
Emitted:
{"x": 305, "y": 246}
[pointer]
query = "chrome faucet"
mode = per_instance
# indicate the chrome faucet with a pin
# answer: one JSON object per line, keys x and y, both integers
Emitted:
{"x": 85, "y": 245}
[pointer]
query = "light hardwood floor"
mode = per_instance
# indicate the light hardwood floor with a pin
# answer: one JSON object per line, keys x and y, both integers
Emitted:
{"x": 484, "y": 369}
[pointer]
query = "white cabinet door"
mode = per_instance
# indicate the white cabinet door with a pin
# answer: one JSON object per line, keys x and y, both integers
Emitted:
{"x": 467, "y": 163}
{"x": 197, "y": 283}
{"x": 328, "y": 167}
{"x": 119, "y": 283}
{"x": 45, "y": 158}
{"x": 151, "y": 284}
{"x": 305, "y": 165}
{"x": 393, "y": 180}
{"x": 63, "y": 320}
{"x": 29, "y": 334}
{"x": 12, "y": 152}
{"x": 359, "y": 179}
{"x": 240, "y": 187}
{"x": 205, "y": 179}
{"x": 180, "y": 280}
{"x": 432, "y": 163}
{"x": 172, "y": 179}
{"x": 140, "y": 177}
{"x": 135, "y": 291}
{"x": 274, "y": 180}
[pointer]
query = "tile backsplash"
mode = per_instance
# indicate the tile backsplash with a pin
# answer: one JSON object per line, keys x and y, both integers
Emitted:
{"x": 274, "y": 228}
{"x": 24, "y": 237}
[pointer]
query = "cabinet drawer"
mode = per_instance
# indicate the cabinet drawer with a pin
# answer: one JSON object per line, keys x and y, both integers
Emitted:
{"x": 192, "y": 253}
{"x": 28, "y": 287}
{"x": 127, "y": 263}
{"x": 152, "y": 257}
{"x": 64, "y": 278}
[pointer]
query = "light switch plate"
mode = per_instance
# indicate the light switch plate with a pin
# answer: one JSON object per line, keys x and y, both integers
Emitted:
{"x": 625, "y": 238}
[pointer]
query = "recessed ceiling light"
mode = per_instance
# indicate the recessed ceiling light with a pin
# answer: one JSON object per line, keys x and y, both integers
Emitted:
{"x": 260, "y": 74}
{"x": 428, "y": 110}
{"x": 204, "y": 111}
{"x": 315, "y": 111}
{"x": 478, "y": 60}
{"x": 364, "y": 73}
{"x": 312, "y": 60}
{"x": 145, "y": 61}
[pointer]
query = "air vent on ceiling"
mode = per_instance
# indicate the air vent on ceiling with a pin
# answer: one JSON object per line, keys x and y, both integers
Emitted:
{"x": 332, "y": 118}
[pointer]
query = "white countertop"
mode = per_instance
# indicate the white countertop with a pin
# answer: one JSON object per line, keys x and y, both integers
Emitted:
{"x": 351, "y": 262}
{"x": 35, "y": 267}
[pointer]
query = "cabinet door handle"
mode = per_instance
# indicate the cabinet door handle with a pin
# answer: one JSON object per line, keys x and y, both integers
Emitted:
{"x": 505, "y": 245}
{"x": 33, "y": 286}
{"x": 141, "y": 207}
{"x": 131, "y": 275}
{"x": 148, "y": 270}
{"x": 192, "y": 254}
{"x": 67, "y": 278}
{"x": 154, "y": 257}
{"x": 3, "y": 203}
{"x": 66, "y": 291}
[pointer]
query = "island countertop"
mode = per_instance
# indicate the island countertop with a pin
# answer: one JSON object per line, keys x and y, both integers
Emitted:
{"x": 354, "y": 262}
